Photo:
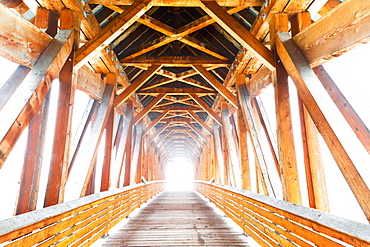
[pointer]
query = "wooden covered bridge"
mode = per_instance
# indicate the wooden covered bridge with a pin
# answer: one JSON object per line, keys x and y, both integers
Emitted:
{"x": 99, "y": 97}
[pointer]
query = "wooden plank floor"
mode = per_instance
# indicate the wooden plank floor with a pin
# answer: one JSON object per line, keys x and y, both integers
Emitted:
{"x": 177, "y": 218}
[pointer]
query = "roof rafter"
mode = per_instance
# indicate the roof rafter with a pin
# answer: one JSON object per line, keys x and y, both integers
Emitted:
{"x": 148, "y": 108}
{"x": 180, "y": 34}
{"x": 217, "y": 85}
{"x": 206, "y": 108}
{"x": 112, "y": 30}
{"x": 175, "y": 61}
{"x": 140, "y": 80}
{"x": 183, "y": 3}
{"x": 241, "y": 34}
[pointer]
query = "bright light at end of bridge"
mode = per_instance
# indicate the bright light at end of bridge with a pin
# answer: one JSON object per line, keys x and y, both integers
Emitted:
{"x": 180, "y": 174}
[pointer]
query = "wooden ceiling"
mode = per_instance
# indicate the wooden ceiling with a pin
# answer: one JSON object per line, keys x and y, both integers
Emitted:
{"x": 180, "y": 58}
{"x": 176, "y": 59}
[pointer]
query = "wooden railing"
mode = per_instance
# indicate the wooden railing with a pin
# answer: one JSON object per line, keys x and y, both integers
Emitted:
{"x": 78, "y": 222}
{"x": 273, "y": 222}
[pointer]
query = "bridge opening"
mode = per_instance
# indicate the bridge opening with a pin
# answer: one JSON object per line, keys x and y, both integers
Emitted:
{"x": 180, "y": 174}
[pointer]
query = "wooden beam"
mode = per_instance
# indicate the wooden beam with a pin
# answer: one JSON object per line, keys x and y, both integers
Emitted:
{"x": 175, "y": 91}
{"x": 62, "y": 136}
{"x": 232, "y": 153}
{"x": 284, "y": 128}
{"x": 195, "y": 129}
{"x": 219, "y": 154}
{"x": 111, "y": 31}
{"x": 135, "y": 163}
{"x": 177, "y": 108}
{"x": 19, "y": 110}
{"x": 31, "y": 172}
{"x": 169, "y": 31}
{"x": 90, "y": 83}
{"x": 175, "y": 61}
{"x": 194, "y": 137}
{"x": 179, "y": 34}
{"x": 251, "y": 122}
{"x": 18, "y": 39}
{"x": 235, "y": 29}
{"x": 155, "y": 121}
{"x": 107, "y": 162}
{"x": 164, "y": 137}
{"x": 148, "y": 108}
{"x": 11, "y": 85}
{"x": 96, "y": 134}
{"x": 139, "y": 81}
{"x": 217, "y": 85}
{"x": 339, "y": 31}
{"x": 128, "y": 147}
{"x": 183, "y": 3}
{"x": 106, "y": 61}
{"x": 200, "y": 121}
{"x": 206, "y": 108}
{"x": 158, "y": 83}
{"x": 324, "y": 114}
{"x": 174, "y": 77}
{"x": 190, "y": 41}
{"x": 263, "y": 119}
{"x": 259, "y": 81}
{"x": 243, "y": 149}
{"x": 159, "y": 131}
{"x": 314, "y": 167}
{"x": 161, "y": 41}
{"x": 356, "y": 123}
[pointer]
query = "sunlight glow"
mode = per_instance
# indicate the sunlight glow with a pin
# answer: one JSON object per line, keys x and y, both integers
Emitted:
{"x": 180, "y": 174}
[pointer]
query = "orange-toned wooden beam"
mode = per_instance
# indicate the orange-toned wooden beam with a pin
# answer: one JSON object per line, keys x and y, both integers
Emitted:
{"x": 206, "y": 108}
{"x": 21, "y": 109}
{"x": 239, "y": 33}
{"x": 148, "y": 108}
{"x": 217, "y": 85}
{"x": 140, "y": 80}
{"x": 111, "y": 31}
{"x": 322, "y": 111}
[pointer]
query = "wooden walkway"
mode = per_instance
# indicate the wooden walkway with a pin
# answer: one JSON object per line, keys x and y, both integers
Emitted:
{"x": 177, "y": 218}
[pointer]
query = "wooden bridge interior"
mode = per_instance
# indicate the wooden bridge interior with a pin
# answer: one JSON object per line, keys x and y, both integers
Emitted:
{"x": 142, "y": 84}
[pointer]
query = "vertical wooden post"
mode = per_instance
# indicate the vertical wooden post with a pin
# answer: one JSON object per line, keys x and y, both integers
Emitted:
{"x": 62, "y": 137}
{"x": 250, "y": 119}
{"x": 128, "y": 147}
{"x": 96, "y": 133}
{"x": 106, "y": 169}
{"x": 243, "y": 149}
{"x": 212, "y": 171}
{"x": 144, "y": 159}
{"x": 135, "y": 169}
{"x": 287, "y": 155}
{"x": 314, "y": 168}
{"x": 258, "y": 105}
{"x": 92, "y": 115}
{"x": 90, "y": 188}
{"x": 325, "y": 115}
{"x": 125, "y": 134}
{"x": 139, "y": 166}
{"x": 219, "y": 155}
{"x": 234, "y": 166}
{"x": 30, "y": 178}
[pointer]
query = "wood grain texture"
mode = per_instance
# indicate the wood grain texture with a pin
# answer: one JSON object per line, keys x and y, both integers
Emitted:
{"x": 177, "y": 218}
{"x": 325, "y": 115}
{"x": 339, "y": 31}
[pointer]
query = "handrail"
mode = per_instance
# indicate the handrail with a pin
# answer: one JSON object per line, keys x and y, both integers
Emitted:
{"x": 78, "y": 222}
{"x": 273, "y": 222}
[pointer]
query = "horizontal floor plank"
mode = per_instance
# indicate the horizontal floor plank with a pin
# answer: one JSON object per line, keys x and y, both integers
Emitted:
{"x": 177, "y": 219}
